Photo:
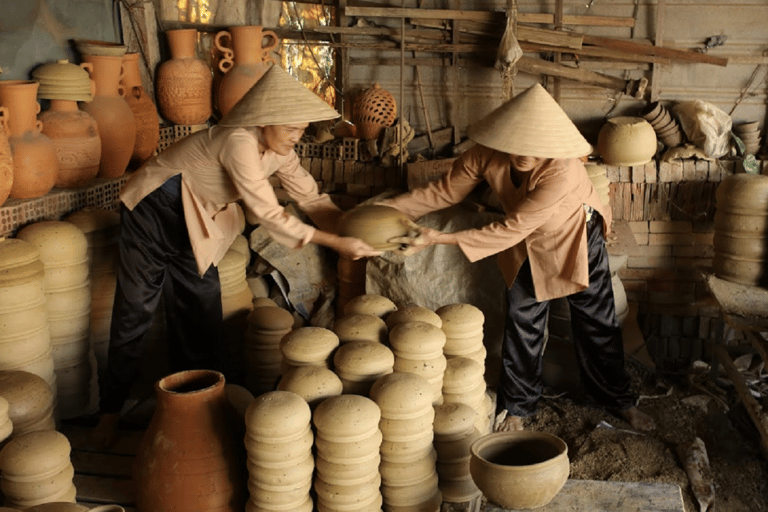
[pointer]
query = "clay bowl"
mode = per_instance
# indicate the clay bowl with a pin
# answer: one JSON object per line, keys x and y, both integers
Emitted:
{"x": 652, "y": 111}
{"x": 520, "y": 469}
{"x": 750, "y": 126}
{"x": 375, "y": 225}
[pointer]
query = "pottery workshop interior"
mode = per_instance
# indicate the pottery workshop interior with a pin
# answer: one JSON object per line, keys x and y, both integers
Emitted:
{"x": 383, "y": 256}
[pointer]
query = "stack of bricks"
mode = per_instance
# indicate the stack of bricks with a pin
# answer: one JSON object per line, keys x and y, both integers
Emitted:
{"x": 670, "y": 209}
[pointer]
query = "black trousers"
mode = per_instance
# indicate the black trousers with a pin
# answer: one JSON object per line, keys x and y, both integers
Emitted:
{"x": 156, "y": 259}
{"x": 597, "y": 338}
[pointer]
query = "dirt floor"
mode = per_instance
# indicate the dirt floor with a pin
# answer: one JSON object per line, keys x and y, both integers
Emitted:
{"x": 604, "y": 447}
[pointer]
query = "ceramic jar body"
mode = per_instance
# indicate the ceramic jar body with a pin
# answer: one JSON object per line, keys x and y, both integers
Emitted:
{"x": 75, "y": 135}
{"x": 245, "y": 60}
{"x": 115, "y": 119}
{"x": 192, "y": 455}
{"x": 6, "y": 160}
{"x": 35, "y": 166}
{"x": 147, "y": 121}
{"x": 184, "y": 83}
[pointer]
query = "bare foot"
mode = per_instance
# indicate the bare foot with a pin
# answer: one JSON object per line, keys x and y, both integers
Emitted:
{"x": 638, "y": 419}
{"x": 105, "y": 433}
{"x": 510, "y": 424}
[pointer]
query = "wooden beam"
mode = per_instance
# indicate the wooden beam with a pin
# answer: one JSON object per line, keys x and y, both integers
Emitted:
{"x": 657, "y": 51}
{"x": 543, "y": 67}
{"x": 590, "y": 51}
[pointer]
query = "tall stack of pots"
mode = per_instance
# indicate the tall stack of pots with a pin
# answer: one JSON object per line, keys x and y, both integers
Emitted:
{"x": 261, "y": 346}
{"x": 418, "y": 349}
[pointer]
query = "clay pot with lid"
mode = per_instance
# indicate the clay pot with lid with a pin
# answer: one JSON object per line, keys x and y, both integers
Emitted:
{"x": 35, "y": 165}
{"x": 143, "y": 108}
{"x": 375, "y": 225}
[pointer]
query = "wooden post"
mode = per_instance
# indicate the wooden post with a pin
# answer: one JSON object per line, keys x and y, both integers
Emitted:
{"x": 658, "y": 40}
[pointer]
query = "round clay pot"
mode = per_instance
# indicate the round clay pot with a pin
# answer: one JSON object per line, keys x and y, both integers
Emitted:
{"x": 29, "y": 397}
{"x": 521, "y": 469}
{"x": 460, "y": 319}
{"x": 626, "y": 141}
{"x": 309, "y": 345}
{"x": 375, "y": 225}
{"x": 417, "y": 339}
{"x": 360, "y": 328}
{"x": 347, "y": 417}
{"x": 277, "y": 414}
{"x": 370, "y": 304}
{"x": 312, "y": 383}
{"x": 402, "y": 395}
{"x": 414, "y": 314}
{"x": 96, "y": 47}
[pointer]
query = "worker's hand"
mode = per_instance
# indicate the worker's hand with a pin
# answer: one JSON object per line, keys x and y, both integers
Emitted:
{"x": 417, "y": 241}
{"x": 353, "y": 248}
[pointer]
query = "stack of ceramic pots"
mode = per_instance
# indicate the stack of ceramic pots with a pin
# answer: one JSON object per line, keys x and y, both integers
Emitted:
{"x": 102, "y": 230}
{"x": 360, "y": 363}
{"x": 36, "y": 469}
{"x": 6, "y": 424}
{"x": 351, "y": 276}
{"x": 279, "y": 441}
{"x": 741, "y": 230}
{"x": 312, "y": 383}
{"x": 413, "y": 313}
{"x": 236, "y": 304}
{"x": 598, "y": 175}
{"x": 626, "y": 141}
{"x": 667, "y": 128}
{"x": 749, "y": 133}
{"x": 348, "y": 458}
{"x": 308, "y": 346}
{"x": 25, "y": 340}
{"x": 261, "y": 346}
{"x": 74, "y": 132}
{"x": 418, "y": 348}
{"x": 30, "y": 402}
{"x": 370, "y": 304}
{"x": 464, "y": 383}
{"x": 64, "y": 252}
{"x": 455, "y": 432}
{"x": 463, "y": 328}
{"x": 360, "y": 327}
{"x": 409, "y": 478}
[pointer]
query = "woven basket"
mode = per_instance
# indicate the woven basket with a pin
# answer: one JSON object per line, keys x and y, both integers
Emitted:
{"x": 374, "y": 109}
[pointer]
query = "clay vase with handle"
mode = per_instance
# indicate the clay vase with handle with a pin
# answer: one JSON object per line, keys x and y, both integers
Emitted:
{"x": 6, "y": 160}
{"x": 245, "y": 60}
{"x": 35, "y": 166}
{"x": 115, "y": 119}
{"x": 147, "y": 120}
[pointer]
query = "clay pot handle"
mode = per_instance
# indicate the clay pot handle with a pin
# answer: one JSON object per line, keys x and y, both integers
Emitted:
{"x": 4, "y": 118}
{"x": 136, "y": 92}
{"x": 274, "y": 41}
{"x": 228, "y": 55}
{"x": 87, "y": 66}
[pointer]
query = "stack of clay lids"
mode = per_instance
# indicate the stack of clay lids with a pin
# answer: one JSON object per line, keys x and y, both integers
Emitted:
{"x": 6, "y": 425}
{"x": 360, "y": 327}
{"x": 370, "y": 304}
{"x": 413, "y": 313}
{"x": 25, "y": 339}
{"x": 308, "y": 346}
{"x": 455, "y": 431}
{"x": 36, "y": 469}
{"x": 408, "y": 473}
{"x": 266, "y": 326}
{"x": 312, "y": 383}
{"x": 348, "y": 442}
{"x": 464, "y": 382}
{"x": 360, "y": 363}
{"x": 279, "y": 440}
{"x": 236, "y": 295}
{"x": 598, "y": 175}
{"x": 64, "y": 252}
{"x": 30, "y": 401}
{"x": 463, "y": 328}
{"x": 418, "y": 348}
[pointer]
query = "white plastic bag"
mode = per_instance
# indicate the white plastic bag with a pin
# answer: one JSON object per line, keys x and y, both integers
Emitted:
{"x": 706, "y": 126}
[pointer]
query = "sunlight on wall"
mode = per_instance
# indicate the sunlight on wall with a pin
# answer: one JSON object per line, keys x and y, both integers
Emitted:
{"x": 194, "y": 11}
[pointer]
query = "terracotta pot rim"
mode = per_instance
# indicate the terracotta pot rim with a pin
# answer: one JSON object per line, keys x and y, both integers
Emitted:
{"x": 496, "y": 438}
{"x": 208, "y": 378}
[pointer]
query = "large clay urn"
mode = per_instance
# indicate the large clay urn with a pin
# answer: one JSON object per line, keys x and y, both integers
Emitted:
{"x": 147, "y": 121}
{"x": 185, "y": 82}
{"x": 115, "y": 119}
{"x": 192, "y": 455}
{"x": 6, "y": 160}
{"x": 35, "y": 166}
{"x": 244, "y": 60}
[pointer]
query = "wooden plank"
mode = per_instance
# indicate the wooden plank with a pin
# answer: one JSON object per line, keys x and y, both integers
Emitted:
{"x": 657, "y": 51}
{"x": 595, "y": 52}
{"x": 572, "y": 40}
{"x": 597, "y": 495}
{"x": 542, "y": 67}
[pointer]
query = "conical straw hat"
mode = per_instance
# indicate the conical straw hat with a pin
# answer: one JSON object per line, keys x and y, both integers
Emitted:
{"x": 531, "y": 124}
{"x": 277, "y": 98}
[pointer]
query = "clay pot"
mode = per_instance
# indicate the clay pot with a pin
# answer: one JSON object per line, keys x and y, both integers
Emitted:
{"x": 35, "y": 165}
{"x": 360, "y": 327}
{"x": 6, "y": 158}
{"x": 373, "y": 110}
{"x": 312, "y": 383}
{"x": 147, "y": 120}
{"x": 375, "y": 225}
{"x": 96, "y": 47}
{"x": 309, "y": 346}
{"x": 30, "y": 401}
{"x": 370, "y": 304}
{"x": 184, "y": 83}
{"x": 245, "y": 60}
{"x": 414, "y": 314}
{"x": 191, "y": 456}
{"x": 115, "y": 119}
{"x": 519, "y": 470}
{"x": 626, "y": 141}
{"x": 75, "y": 135}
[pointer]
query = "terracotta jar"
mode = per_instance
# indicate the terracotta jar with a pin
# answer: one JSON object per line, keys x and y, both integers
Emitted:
{"x": 192, "y": 455}
{"x": 35, "y": 166}
{"x": 245, "y": 59}
{"x": 185, "y": 82}
{"x": 147, "y": 120}
{"x": 6, "y": 160}
{"x": 117, "y": 124}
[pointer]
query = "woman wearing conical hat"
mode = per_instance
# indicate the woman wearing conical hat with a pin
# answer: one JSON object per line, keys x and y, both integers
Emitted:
{"x": 179, "y": 217}
{"x": 549, "y": 245}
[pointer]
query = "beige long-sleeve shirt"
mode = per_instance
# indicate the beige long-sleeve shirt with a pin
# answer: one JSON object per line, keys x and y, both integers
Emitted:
{"x": 222, "y": 165}
{"x": 544, "y": 217}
